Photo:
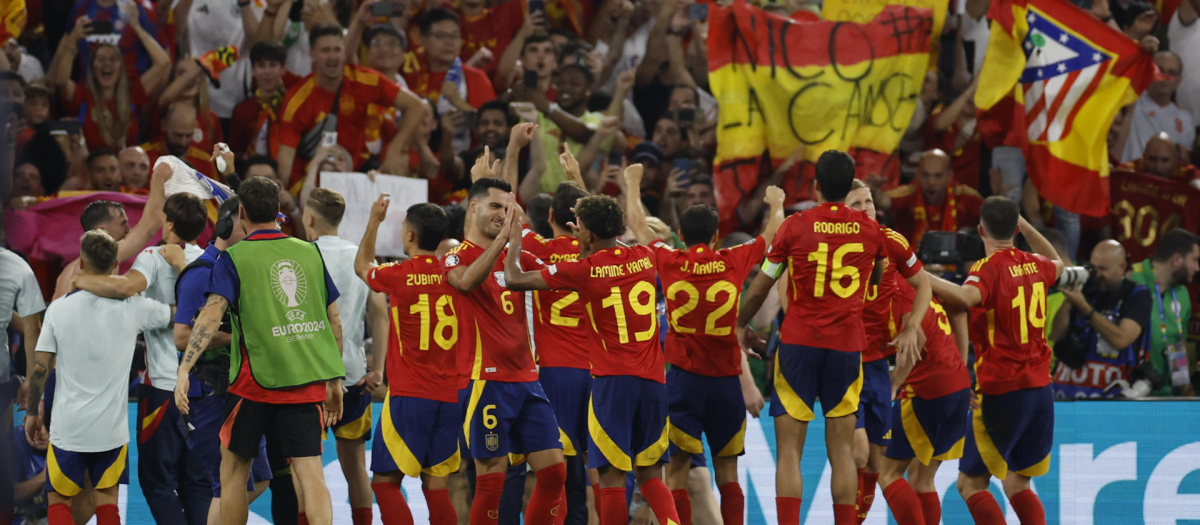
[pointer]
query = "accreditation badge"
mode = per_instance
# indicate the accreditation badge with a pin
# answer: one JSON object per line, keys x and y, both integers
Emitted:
{"x": 1176, "y": 354}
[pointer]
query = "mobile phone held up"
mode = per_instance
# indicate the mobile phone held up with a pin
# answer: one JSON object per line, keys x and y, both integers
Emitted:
{"x": 64, "y": 127}
{"x": 100, "y": 27}
{"x": 685, "y": 165}
{"x": 698, "y": 12}
{"x": 387, "y": 9}
{"x": 536, "y": 6}
{"x": 531, "y": 79}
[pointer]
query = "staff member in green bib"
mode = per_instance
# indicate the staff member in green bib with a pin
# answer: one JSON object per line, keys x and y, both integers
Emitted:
{"x": 1175, "y": 262}
{"x": 289, "y": 339}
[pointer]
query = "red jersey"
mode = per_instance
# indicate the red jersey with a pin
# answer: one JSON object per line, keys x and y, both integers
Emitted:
{"x": 307, "y": 103}
{"x": 888, "y": 301}
{"x": 703, "y": 288}
{"x": 426, "y": 83}
{"x": 81, "y": 108}
{"x": 493, "y": 29}
{"x": 494, "y": 344}
{"x": 830, "y": 251}
{"x": 197, "y": 158}
{"x": 1012, "y": 351}
{"x": 561, "y": 331}
{"x": 941, "y": 370}
{"x": 966, "y": 153}
{"x": 425, "y": 328}
{"x": 912, "y": 217}
{"x": 617, "y": 288}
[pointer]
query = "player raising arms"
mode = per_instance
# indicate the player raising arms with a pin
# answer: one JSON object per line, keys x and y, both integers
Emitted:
{"x": 1014, "y": 424}
{"x": 418, "y": 431}
{"x": 886, "y": 304}
{"x": 703, "y": 284}
{"x": 831, "y": 251}
{"x": 627, "y": 415}
{"x": 506, "y": 410}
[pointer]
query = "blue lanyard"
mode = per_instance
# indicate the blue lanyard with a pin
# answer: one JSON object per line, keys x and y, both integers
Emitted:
{"x": 1163, "y": 314}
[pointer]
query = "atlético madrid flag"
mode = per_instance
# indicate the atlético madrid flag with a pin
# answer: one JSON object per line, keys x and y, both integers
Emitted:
{"x": 1053, "y": 79}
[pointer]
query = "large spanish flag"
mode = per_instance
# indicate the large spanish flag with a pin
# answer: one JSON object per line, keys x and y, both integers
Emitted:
{"x": 827, "y": 85}
{"x": 1052, "y": 80}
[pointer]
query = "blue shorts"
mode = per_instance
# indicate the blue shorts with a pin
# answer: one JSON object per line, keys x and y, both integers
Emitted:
{"x": 713, "y": 406}
{"x": 416, "y": 436}
{"x": 804, "y": 373}
{"x": 355, "y": 423}
{"x": 504, "y": 418}
{"x": 65, "y": 470}
{"x": 205, "y": 417}
{"x": 568, "y": 390}
{"x": 464, "y": 396}
{"x": 627, "y": 422}
{"x": 875, "y": 402}
{"x": 1013, "y": 431}
{"x": 930, "y": 429}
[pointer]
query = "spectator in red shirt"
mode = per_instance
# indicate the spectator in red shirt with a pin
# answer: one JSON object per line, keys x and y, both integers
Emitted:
{"x": 189, "y": 85}
{"x": 135, "y": 169}
{"x": 488, "y": 30}
{"x": 257, "y": 130}
{"x": 931, "y": 202}
{"x": 441, "y": 35}
{"x": 178, "y": 134}
{"x": 109, "y": 100}
{"x": 347, "y": 91}
{"x": 1164, "y": 158}
{"x": 952, "y": 129}
{"x": 134, "y": 21}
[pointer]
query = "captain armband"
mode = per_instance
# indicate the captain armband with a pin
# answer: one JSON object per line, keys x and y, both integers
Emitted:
{"x": 773, "y": 269}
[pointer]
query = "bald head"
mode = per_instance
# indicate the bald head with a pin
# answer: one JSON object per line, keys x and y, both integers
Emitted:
{"x": 1171, "y": 68}
{"x": 1161, "y": 156}
{"x": 934, "y": 175}
{"x": 1108, "y": 258}
{"x": 135, "y": 167}
{"x": 179, "y": 127}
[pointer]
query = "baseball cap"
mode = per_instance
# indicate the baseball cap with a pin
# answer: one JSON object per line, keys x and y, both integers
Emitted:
{"x": 647, "y": 153}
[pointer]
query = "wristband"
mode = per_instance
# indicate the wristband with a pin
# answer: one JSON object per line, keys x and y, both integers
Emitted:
{"x": 268, "y": 13}
{"x": 244, "y": 4}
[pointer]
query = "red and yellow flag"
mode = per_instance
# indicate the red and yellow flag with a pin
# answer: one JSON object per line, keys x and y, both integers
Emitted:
{"x": 825, "y": 85}
{"x": 12, "y": 19}
{"x": 1052, "y": 80}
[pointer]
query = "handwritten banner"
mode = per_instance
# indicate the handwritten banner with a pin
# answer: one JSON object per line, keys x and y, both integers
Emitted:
{"x": 360, "y": 193}
{"x": 864, "y": 11}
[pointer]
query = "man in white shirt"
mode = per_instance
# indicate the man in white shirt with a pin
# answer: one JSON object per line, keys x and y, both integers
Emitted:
{"x": 92, "y": 338}
{"x": 19, "y": 292}
{"x": 1155, "y": 113}
{"x": 1184, "y": 35}
{"x": 323, "y": 213}
{"x": 175, "y": 482}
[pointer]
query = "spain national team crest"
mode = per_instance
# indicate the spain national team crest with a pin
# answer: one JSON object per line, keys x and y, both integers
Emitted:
{"x": 1061, "y": 71}
{"x": 491, "y": 441}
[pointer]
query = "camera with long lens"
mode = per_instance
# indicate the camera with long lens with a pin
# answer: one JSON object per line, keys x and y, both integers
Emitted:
{"x": 1077, "y": 276}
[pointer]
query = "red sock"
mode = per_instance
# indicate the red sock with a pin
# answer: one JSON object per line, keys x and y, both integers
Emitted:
{"x": 393, "y": 509}
{"x": 485, "y": 509}
{"x": 59, "y": 514}
{"x": 612, "y": 500}
{"x": 733, "y": 503}
{"x": 683, "y": 505}
{"x": 858, "y": 495}
{"x": 108, "y": 515}
{"x": 984, "y": 509}
{"x": 1028, "y": 507}
{"x": 441, "y": 510}
{"x": 658, "y": 496}
{"x": 561, "y": 517}
{"x": 845, "y": 514}
{"x": 869, "y": 482}
{"x": 902, "y": 499}
{"x": 931, "y": 507}
{"x": 788, "y": 510}
{"x": 301, "y": 519}
{"x": 546, "y": 502}
{"x": 596, "y": 502}
{"x": 362, "y": 516}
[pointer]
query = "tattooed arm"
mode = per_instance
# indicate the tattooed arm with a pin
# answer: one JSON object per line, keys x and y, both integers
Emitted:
{"x": 204, "y": 329}
{"x": 37, "y": 385}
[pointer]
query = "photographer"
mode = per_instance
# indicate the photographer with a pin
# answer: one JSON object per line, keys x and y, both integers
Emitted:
{"x": 1166, "y": 274}
{"x": 1101, "y": 329}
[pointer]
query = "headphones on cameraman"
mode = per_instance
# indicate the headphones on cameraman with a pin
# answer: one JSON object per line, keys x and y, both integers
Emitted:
{"x": 223, "y": 228}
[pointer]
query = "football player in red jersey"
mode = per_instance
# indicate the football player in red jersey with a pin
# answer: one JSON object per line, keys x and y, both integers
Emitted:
{"x": 418, "y": 431}
{"x": 1014, "y": 422}
{"x": 831, "y": 252}
{"x": 886, "y": 304}
{"x": 506, "y": 409}
{"x": 627, "y": 415}
{"x": 704, "y": 395}
{"x": 561, "y": 337}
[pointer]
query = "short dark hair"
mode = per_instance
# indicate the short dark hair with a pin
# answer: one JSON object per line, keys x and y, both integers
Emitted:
{"x": 98, "y": 153}
{"x": 268, "y": 51}
{"x": 999, "y": 215}
{"x": 385, "y": 29}
{"x": 1176, "y": 240}
{"x": 187, "y": 214}
{"x": 703, "y": 179}
{"x": 565, "y": 197}
{"x": 693, "y": 89}
{"x": 481, "y": 187}
{"x": 262, "y": 159}
{"x": 601, "y": 215}
{"x": 37, "y": 90}
{"x": 835, "y": 174}
{"x": 97, "y": 213}
{"x": 537, "y": 210}
{"x": 430, "y": 222}
{"x": 698, "y": 224}
{"x": 259, "y": 196}
{"x": 535, "y": 38}
{"x": 99, "y": 249}
{"x": 498, "y": 105}
{"x": 328, "y": 205}
{"x": 434, "y": 16}
{"x": 323, "y": 29}
{"x": 13, "y": 76}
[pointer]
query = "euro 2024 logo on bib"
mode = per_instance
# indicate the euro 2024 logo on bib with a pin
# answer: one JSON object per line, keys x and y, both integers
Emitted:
{"x": 289, "y": 283}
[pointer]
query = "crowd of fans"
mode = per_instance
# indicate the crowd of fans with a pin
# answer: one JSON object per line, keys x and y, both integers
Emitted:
{"x": 422, "y": 88}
